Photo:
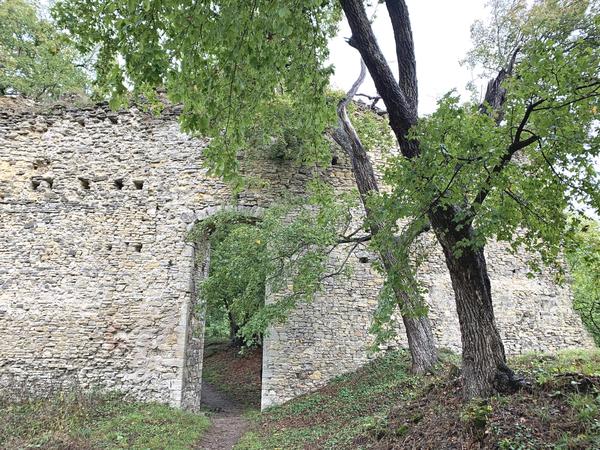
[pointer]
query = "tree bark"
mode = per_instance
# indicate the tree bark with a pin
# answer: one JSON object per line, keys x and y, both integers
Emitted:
{"x": 484, "y": 360}
{"x": 484, "y": 368}
{"x": 421, "y": 342}
{"x": 234, "y": 339}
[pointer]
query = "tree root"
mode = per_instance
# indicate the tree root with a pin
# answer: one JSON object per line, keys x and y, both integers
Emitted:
{"x": 507, "y": 381}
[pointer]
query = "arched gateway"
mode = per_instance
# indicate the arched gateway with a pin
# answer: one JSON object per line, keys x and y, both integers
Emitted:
{"x": 97, "y": 280}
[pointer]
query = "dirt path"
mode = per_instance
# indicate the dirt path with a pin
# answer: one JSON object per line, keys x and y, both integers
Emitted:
{"x": 227, "y": 417}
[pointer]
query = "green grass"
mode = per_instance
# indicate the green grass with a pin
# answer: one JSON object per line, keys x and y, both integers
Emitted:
{"x": 382, "y": 406}
{"x": 544, "y": 367}
{"x": 333, "y": 417}
{"x": 96, "y": 421}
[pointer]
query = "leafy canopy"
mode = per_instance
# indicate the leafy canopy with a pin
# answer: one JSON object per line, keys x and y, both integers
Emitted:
{"x": 223, "y": 60}
{"x": 36, "y": 60}
{"x": 517, "y": 172}
{"x": 235, "y": 287}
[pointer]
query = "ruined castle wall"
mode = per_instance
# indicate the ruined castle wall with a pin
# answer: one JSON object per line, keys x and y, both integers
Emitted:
{"x": 95, "y": 271}
{"x": 330, "y": 336}
{"x": 97, "y": 281}
{"x": 98, "y": 286}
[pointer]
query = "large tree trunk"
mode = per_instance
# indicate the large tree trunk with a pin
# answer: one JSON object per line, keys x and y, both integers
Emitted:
{"x": 421, "y": 342}
{"x": 483, "y": 358}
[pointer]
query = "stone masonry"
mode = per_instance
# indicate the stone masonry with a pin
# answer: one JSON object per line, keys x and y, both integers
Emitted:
{"x": 97, "y": 280}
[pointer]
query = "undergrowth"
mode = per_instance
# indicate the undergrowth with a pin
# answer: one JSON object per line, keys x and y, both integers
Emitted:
{"x": 382, "y": 406}
{"x": 96, "y": 421}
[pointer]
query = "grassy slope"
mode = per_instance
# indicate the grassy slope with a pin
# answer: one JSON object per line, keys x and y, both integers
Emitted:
{"x": 382, "y": 406}
{"x": 96, "y": 422}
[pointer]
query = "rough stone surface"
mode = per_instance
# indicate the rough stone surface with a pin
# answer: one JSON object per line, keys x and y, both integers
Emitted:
{"x": 97, "y": 281}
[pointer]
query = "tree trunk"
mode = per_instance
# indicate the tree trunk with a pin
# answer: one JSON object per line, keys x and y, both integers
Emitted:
{"x": 482, "y": 348}
{"x": 484, "y": 368}
{"x": 421, "y": 342}
{"x": 234, "y": 339}
{"x": 484, "y": 364}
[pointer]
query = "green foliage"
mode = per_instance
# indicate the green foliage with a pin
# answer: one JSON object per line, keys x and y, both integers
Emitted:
{"x": 96, "y": 421}
{"x": 522, "y": 439}
{"x": 36, "y": 60}
{"x": 496, "y": 44}
{"x": 476, "y": 414}
{"x": 587, "y": 407}
{"x": 584, "y": 260}
{"x": 544, "y": 368}
{"x": 277, "y": 131}
{"x": 287, "y": 250}
{"x": 374, "y": 131}
{"x": 469, "y": 160}
{"x": 223, "y": 60}
{"x": 216, "y": 325}
{"x": 232, "y": 293}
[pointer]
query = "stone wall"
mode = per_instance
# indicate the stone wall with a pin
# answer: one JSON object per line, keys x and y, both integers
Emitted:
{"x": 98, "y": 284}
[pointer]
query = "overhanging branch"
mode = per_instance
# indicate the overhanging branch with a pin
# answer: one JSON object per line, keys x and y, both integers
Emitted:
{"x": 349, "y": 240}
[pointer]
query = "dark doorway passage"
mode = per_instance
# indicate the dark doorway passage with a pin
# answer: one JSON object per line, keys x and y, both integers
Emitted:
{"x": 234, "y": 372}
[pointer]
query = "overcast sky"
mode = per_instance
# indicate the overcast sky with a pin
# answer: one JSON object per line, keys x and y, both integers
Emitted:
{"x": 441, "y": 30}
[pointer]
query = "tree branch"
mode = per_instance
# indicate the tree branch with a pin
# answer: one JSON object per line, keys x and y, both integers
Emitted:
{"x": 347, "y": 137}
{"x": 342, "y": 265}
{"x": 348, "y": 240}
{"x": 405, "y": 51}
{"x": 516, "y": 145}
{"x": 530, "y": 108}
{"x": 401, "y": 113}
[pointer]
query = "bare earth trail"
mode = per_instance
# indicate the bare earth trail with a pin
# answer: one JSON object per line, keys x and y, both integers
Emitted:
{"x": 227, "y": 417}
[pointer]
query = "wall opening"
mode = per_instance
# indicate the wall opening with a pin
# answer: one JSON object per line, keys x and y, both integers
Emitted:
{"x": 232, "y": 354}
{"x": 85, "y": 183}
{"x": 218, "y": 362}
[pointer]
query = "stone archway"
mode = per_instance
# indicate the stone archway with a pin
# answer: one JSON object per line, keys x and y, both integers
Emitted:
{"x": 194, "y": 320}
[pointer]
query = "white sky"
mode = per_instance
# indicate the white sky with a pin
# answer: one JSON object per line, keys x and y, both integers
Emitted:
{"x": 441, "y": 30}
